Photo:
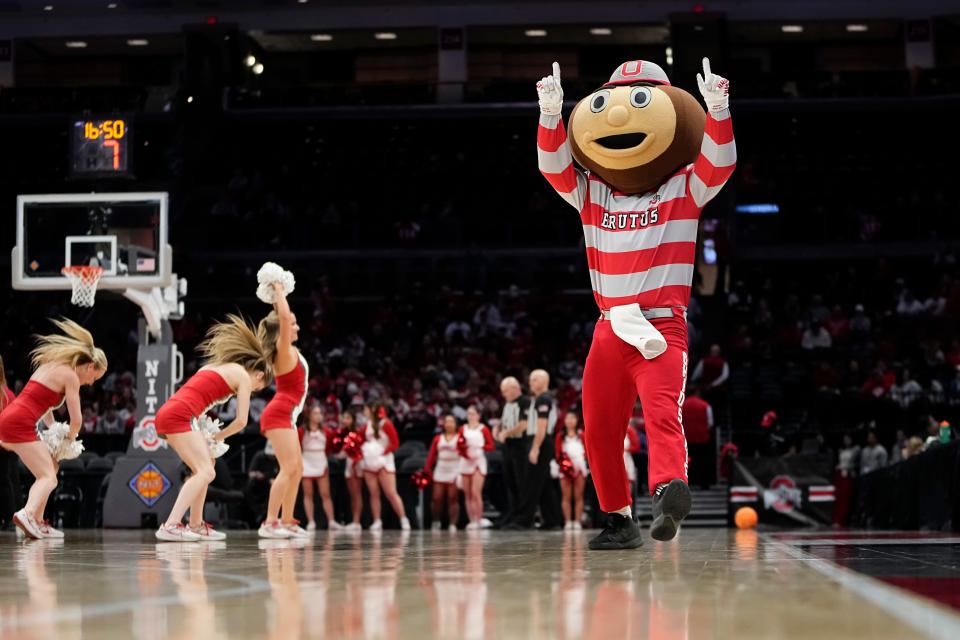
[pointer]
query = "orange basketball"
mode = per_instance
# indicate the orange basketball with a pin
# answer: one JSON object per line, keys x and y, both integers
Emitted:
{"x": 746, "y": 518}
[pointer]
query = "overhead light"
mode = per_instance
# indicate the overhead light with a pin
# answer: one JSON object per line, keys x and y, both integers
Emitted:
{"x": 250, "y": 61}
{"x": 112, "y": 5}
{"x": 669, "y": 53}
{"x": 321, "y": 37}
{"x": 48, "y": 7}
{"x": 137, "y": 42}
{"x": 302, "y": 1}
{"x": 857, "y": 28}
{"x": 258, "y": 68}
{"x": 601, "y": 31}
{"x": 189, "y": 99}
{"x": 535, "y": 33}
{"x": 385, "y": 35}
{"x": 791, "y": 28}
{"x": 76, "y": 44}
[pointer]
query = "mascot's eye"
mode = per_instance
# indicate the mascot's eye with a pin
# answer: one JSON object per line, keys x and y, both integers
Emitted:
{"x": 640, "y": 97}
{"x": 599, "y": 101}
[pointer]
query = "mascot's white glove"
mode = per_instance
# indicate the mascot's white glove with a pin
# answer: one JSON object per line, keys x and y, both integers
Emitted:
{"x": 550, "y": 93}
{"x": 714, "y": 89}
{"x": 269, "y": 274}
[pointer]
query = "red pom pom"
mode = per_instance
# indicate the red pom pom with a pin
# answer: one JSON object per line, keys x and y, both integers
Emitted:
{"x": 566, "y": 467}
{"x": 353, "y": 446}
{"x": 337, "y": 439}
{"x": 421, "y": 479}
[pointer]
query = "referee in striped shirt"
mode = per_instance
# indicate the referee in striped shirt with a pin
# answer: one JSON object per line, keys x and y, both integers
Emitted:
{"x": 512, "y": 433}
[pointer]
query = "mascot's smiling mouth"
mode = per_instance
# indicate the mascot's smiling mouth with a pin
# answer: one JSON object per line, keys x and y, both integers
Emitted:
{"x": 621, "y": 141}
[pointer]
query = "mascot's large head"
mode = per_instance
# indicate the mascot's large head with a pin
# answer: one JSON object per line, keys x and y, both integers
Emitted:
{"x": 636, "y": 130}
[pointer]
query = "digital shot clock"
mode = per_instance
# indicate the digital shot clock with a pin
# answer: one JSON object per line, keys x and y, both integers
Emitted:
{"x": 100, "y": 147}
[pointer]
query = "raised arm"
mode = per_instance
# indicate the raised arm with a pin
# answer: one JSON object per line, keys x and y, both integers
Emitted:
{"x": 286, "y": 357}
{"x": 718, "y": 151}
{"x": 553, "y": 149}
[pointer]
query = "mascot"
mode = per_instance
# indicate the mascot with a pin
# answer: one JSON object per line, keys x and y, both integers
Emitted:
{"x": 649, "y": 160}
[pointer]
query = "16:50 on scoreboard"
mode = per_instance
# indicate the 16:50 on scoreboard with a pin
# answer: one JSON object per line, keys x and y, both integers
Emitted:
{"x": 100, "y": 147}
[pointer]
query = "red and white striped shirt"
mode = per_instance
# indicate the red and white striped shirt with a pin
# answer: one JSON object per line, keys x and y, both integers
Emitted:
{"x": 640, "y": 247}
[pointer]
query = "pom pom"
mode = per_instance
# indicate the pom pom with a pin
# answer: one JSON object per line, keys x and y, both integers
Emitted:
{"x": 353, "y": 446}
{"x": 566, "y": 467}
{"x": 270, "y": 273}
{"x": 337, "y": 439}
{"x": 210, "y": 427}
{"x": 421, "y": 479}
{"x": 61, "y": 447}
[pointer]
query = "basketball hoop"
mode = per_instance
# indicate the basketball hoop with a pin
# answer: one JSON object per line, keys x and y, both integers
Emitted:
{"x": 84, "y": 281}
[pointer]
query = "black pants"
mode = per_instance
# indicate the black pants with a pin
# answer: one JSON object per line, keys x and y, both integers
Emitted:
{"x": 514, "y": 471}
{"x": 702, "y": 464}
{"x": 538, "y": 490}
{"x": 9, "y": 486}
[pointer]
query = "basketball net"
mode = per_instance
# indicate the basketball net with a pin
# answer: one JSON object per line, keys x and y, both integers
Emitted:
{"x": 84, "y": 282}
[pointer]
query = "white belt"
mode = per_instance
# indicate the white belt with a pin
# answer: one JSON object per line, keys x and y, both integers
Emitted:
{"x": 649, "y": 314}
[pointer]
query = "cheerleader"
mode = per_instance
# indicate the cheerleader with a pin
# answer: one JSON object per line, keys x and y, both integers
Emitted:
{"x": 443, "y": 463}
{"x": 631, "y": 445}
{"x": 570, "y": 445}
{"x": 352, "y": 474}
{"x": 476, "y": 440}
{"x": 236, "y": 365}
{"x": 278, "y": 422}
{"x": 380, "y": 440}
{"x": 315, "y": 443}
{"x": 62, "y": 363}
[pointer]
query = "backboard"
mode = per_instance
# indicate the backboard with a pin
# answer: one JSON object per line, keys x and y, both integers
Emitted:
{"x": 125, "y": 233}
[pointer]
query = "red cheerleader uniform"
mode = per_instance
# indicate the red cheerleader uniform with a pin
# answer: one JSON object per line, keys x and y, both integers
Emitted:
{"x": 444, "y": 460}
{"x": 18, "y": 422}
{"x": 205, "y": 390}
{"x": 284, "y": 408}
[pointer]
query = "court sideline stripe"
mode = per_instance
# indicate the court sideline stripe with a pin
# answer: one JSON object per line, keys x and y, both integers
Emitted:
{"x": 925, "y": 617}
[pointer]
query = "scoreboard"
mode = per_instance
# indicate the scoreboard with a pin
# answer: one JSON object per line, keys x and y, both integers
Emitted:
{"x": 100, "y": 147}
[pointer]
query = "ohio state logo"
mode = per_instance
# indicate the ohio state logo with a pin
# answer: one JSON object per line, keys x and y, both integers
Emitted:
{"x": 145, "y": 435}
{"x": 783, "y": 495}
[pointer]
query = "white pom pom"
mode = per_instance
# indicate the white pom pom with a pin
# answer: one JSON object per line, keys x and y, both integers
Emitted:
{"x": 210, "y": 427}
{"x": 54, "y": 435}
{"x": 269, "y": 274}
{"x": 69, "y": 450}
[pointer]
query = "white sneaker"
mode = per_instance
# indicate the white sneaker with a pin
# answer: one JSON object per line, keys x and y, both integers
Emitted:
{"x": 577, "y": 526}
{"x": 311, "y": 526}
{"x": 568, "y": 525}
{"x": 26, "y": 523}
{"x": 435, "y": 526}
{"x": 176, "y": 533}
{"x": 405, "y": 524}
{"x": 377, "y": 525}
{"x": 485, "y": 524}
{"x": 452, "y": 528}
{"x": 333, "y": 525}
{"x": 296, "y": 531}
{"x": 48, "y": 531}
{"x": 273, "y": 531}
{"x": 473, "y": 526}
{"x": 208, "y": 533}
{"x": 353, "y": 526}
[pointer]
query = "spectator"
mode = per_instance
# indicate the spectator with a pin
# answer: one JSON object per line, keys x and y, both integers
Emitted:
{"x": 873, "y": 456}
{"x": 897, "y": 452}
{"x": 860, "y": 323}
{"x": 848, "y": 460}
{"x": 816, "y": 337}
{"x": 712, "y": 371}
{"x": 914, "y": 447}
{"x": 698, "y": 427}
{"x": 906, "y": 390}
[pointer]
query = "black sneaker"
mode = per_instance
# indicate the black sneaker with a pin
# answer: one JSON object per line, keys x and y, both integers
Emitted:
{"x": 671, "y": 504}
{"x": 621, "y": 533}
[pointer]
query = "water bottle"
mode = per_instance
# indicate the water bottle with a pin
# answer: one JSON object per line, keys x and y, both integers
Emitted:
{"x": 944, "y": 432}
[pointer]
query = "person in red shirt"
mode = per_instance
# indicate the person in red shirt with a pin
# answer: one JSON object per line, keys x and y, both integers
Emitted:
{"x": 698, "y": 428}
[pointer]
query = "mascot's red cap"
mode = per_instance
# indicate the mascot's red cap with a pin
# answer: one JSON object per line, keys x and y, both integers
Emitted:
{"x": 637, "y": 71}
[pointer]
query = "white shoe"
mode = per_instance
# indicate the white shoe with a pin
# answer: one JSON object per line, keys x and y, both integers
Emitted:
{"x": 311, "y": 526}
{"x": 208, "y": 533}
{"x": 176, "y": 533}
{"x": 485, "y": 524}
{"x": 333, "y": 525}
{"x": 473, "y": 526}
{"x": 296, "y": 531}
{"x": 568, "y": 525}
{"x": 48, "y": 531}
{"x": 273, "y": 531}
{"x": 26, "y": 523}
{"x": 452, "y": 528}
{"x": 377, "y": 525}
{"x": 405, "y": 524}
{"x": 435, "y": 526}
{"x": 577, "y": 526}
{"x": 353, "y": 526}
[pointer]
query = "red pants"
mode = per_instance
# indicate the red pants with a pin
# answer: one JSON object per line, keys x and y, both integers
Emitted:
{"x": 615, "y": 374}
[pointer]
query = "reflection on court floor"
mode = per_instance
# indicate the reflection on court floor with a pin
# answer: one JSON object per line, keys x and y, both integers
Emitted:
{"x": 713, "y": 583}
